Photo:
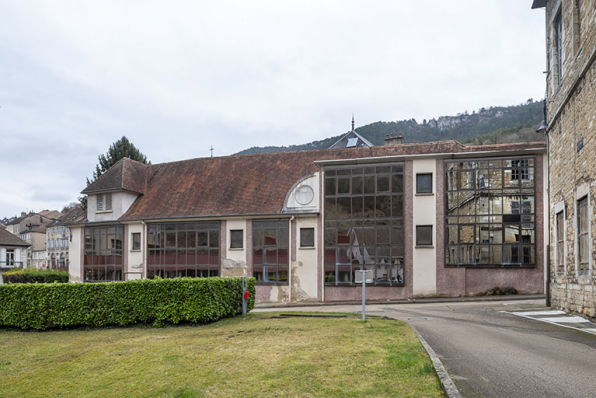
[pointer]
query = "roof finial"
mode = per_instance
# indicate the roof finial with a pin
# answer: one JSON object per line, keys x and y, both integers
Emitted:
{"x": 352, "y": 121}
{"x": 212, "y": 149}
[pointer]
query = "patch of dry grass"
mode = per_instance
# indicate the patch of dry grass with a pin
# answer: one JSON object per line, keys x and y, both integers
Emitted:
{"x": 253, "y": 357}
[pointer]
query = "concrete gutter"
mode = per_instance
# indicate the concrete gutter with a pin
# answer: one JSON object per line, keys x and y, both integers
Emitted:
{"x": 424, "y": 300}
{"x": 446, "y": 383}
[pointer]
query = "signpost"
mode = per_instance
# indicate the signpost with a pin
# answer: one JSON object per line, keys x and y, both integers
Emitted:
{"x": 364, "y": 276}
{"x": 245, "y": 294}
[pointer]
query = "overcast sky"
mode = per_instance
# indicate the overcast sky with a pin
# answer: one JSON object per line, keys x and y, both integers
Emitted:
{"x": 176, "y": 77}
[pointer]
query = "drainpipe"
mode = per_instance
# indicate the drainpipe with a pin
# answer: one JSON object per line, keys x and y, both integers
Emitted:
{"x": 144, "y": 248}
{"x": 291, "y": 248}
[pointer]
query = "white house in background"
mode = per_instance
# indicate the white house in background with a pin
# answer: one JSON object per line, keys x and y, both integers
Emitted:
{"x": 11, "y": 248}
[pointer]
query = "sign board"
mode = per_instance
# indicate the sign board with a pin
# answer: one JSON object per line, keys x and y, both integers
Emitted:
{"x": 367, "y": 273}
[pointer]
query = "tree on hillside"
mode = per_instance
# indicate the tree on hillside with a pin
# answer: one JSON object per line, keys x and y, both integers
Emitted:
{"x": 122, "y": 148}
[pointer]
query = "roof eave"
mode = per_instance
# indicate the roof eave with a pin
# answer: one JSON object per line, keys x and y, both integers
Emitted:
{"x": 538, "y": 4}
{"x": 94, "y": 191}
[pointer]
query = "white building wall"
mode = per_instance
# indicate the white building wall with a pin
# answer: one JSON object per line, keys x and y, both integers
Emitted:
{"x": 136, "y": 268}
{"x": 305, "y": 278}
{"x": 424, "y": 210}
{"x": 121, "y": 202}
{"x": 75, "y": 253}
{"x": 234, "y": 263}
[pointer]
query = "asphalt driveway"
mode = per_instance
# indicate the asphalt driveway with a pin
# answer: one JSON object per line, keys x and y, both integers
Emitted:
{"x": 491, "y": 353}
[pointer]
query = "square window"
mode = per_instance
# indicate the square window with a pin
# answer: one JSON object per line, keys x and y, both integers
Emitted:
{"x": 136, "y": 241}
{"x": 236, "y": 239}
{"x": 424, "y": 183}
{"x": 307, "y": 237}
{"x": 424, "y": 235}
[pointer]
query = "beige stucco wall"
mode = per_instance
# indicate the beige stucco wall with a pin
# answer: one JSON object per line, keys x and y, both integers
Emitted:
{"x": 75, "y": 254}
{"x": 135, "y": 266}
{"x": 424, "y": 213}
{"x": 121, "y": 202}
{"x": 305, "y": 278}
{"x": 234, "y": 262}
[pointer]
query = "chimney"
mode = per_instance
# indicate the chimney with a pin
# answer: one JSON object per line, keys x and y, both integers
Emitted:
{"x": 23, "y": 214}
{"x": 393, "y": 139}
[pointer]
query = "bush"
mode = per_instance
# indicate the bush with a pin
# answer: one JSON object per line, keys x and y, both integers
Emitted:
{"x": 32, "y": 275}
{"x": 58, "y": 305}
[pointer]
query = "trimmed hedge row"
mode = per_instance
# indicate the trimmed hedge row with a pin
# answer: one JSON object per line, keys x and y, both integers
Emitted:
{"x": 31, "y": 275}
{"x": 58, "y": 305}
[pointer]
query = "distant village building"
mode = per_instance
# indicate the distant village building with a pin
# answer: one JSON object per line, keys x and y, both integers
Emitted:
{"x": 32, "y": 229}
{"x": 427, "y": 219}
{"x": 11, "y": 248}
{"x": 58, "y": 238}
{"x": 571, "y": 130}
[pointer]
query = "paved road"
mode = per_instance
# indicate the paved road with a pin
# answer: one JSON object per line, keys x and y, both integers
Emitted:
{"x": 490, "y": 353}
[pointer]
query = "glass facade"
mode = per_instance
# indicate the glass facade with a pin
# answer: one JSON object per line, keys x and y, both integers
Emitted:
{"x": 364, "y": 223}
{"x": 270, "y": 241}
{"x": 183, "y": 249}
{"x": 490, "y": 212}
{"x": 103, "y": 254}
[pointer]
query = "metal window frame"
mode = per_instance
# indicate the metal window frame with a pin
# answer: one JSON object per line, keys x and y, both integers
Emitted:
{"x": 472, "y": 258}
{"x": 384, "y": 216}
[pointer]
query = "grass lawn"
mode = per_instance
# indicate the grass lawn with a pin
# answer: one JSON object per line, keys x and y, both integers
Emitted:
{"x": 259, "y": 356}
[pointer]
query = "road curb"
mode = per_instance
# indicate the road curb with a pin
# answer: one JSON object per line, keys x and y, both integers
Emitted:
{"x": 409, "y": 301}
{"x": 446, "y": 383}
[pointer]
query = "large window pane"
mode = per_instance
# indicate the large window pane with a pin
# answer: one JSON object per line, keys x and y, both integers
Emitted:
{"x": 369, "y": 230}
{"x": 184, "y": 251}
{"x": 102, "y": 260}
{"x": 271, "y": 249}
{"x": 493, "y": 214}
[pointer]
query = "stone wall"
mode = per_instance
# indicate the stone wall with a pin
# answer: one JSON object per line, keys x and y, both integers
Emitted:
{"x": 571, "y": 110}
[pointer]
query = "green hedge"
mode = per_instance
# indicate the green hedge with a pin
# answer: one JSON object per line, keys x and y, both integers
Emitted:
{"x": 32, "y": 275}
{"x": 58, "y": 305}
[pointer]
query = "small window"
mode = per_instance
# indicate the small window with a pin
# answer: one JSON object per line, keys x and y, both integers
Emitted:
{"x": 307, "y": 237}
{"x": 583, "y": 246}
{"x": 236, "y": 239}
{"x": 558, "y": 47}
{"x": 424, "y": 235}
{"x": 104, "y": 202}
{"x": 136, "y": 241}
{"x": 424, "y": 183}
{"x": 560, "y": 243}
{"x": 108, "y": 201}
{"x": 99, "y": 202}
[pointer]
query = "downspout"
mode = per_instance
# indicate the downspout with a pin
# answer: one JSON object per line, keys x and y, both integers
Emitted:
{"x": 144, "y": 246}
{"x": 290, "y": 260}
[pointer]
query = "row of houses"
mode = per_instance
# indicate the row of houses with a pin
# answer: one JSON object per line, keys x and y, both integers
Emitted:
{"x": 37, "y": 240}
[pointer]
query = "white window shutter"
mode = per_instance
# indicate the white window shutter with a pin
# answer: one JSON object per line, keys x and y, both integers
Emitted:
{"x": 108, "y": 201}
{"x": 100, "y": 202}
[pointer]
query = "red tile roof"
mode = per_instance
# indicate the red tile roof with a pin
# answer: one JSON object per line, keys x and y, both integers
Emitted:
{"x": 125, "y": 174}
{"x": 8, "y": 239}
{"x": 245, "y": 184}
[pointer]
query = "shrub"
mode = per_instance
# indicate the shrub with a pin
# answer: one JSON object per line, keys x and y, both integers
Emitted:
{"x": 31, "y": 275}
{"x": 58, "y": 305}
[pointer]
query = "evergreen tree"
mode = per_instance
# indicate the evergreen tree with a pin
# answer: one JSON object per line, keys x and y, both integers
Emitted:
{"x": 122, "y": 148}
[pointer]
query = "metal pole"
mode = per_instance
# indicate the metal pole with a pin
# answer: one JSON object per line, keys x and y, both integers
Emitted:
{"x": 363, "y": 296}
{"x": 244, "y": 289}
